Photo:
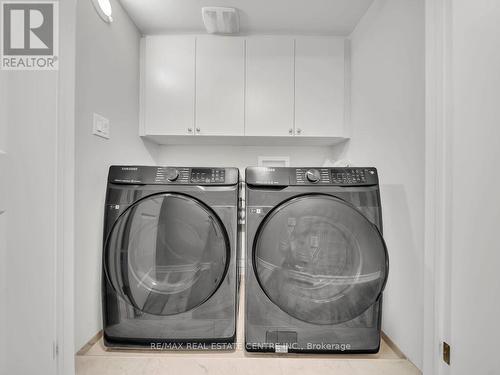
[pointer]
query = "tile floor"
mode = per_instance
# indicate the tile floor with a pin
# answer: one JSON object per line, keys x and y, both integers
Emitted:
{"x": 95, "y": 359}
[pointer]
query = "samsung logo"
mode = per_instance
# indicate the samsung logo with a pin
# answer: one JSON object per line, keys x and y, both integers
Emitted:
{"x": 270, "y": 169}
{"x": 129, "y": 168}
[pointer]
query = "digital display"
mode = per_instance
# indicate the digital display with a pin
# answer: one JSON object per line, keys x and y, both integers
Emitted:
{"x": 207, "y": 175}
{"x": 348, "y": 176}
{"x": 201, "y": 172}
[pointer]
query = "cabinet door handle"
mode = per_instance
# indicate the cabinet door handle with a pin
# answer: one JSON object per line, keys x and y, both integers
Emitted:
{"x": 299, "y": 131}
{"x": 198, "y": 130}
{"x": 190, "y": 130}
{"x": 290, "y": 131}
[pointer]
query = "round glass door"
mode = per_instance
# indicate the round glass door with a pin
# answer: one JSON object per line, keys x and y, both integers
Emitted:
{"x": 319, "y": 259}
{"x": 167, "y": 254}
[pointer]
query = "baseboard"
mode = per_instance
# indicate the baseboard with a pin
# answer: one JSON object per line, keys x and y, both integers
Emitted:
{"x": 85, "y": 348}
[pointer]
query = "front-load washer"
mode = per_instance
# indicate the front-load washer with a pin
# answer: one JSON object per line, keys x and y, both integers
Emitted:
{"x": 316, "y": 261}
{"x": 170, "y": 276}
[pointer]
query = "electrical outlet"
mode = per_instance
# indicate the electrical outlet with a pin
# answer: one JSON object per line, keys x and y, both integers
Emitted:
{"x": 101, "y": 126}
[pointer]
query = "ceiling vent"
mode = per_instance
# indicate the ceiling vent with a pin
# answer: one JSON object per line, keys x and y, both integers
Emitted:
{"x": 219, "y": 20}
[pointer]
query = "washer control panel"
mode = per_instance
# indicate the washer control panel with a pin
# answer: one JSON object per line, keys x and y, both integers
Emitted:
{"x": 145, "y": 175}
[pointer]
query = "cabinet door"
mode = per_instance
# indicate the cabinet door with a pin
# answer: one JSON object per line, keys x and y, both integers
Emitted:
{"x": 319, "y": 86}
{"x": 269, "y": 86}
{"x": 168, "y": 85}
{"x": 220, "y": 81}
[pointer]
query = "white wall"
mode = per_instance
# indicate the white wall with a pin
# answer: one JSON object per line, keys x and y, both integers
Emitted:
{"x": 474, "y": 180}
{"x": 66, "y": 189}
{"x": 3, "y": 190}
{"x": 30, "y": 221}
{"x": 107, "y": 82}
{"x": 36, "y": 116}
{"x": 388, "y": 127}
{"x": 246, "y": 156}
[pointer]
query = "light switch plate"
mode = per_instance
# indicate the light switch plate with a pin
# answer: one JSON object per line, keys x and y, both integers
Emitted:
{"x": 101, "y": 126}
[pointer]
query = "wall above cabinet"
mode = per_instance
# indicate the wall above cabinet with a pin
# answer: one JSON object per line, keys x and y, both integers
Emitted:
{"x": 255, "y": 90}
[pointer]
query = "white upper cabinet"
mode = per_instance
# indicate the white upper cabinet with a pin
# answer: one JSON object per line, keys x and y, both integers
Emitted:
{"x": 168, "y": 85}
{"x": 319, "y": 86}
{"x": 220, "y": 86}
{"x": 243, "y": 90}
{"x": 269, "y": 86}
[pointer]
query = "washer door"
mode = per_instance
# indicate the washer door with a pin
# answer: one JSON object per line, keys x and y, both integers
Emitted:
{"x": 166, "y": 254}
{"x": 319, "y": 259}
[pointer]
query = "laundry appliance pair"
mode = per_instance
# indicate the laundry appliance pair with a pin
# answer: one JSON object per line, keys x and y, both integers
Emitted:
{"x": 316, "y": 262}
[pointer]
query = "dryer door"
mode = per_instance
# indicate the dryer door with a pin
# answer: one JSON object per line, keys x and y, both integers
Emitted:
{"x": 319, "y": 259}
{"x": 166, "y": 254}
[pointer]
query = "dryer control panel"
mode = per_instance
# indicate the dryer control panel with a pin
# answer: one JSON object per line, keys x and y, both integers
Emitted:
{"x": 274, "y": 176}
{"x": 145, "y": 175}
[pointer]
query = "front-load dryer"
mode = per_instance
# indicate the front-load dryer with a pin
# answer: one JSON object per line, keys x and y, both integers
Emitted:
{"x": 170, "y": 274}
{"x": 316, "y": 262}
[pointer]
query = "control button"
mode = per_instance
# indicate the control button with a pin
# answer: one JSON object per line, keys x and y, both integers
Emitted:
{"x": 313, "y": 175}
{"x": 172, "y": 174}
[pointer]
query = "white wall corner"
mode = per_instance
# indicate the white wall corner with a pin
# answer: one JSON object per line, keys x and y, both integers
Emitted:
{"x": 347, "y": 133}
{"x": 437, "y": 272}
{"x": 142, "y": 91}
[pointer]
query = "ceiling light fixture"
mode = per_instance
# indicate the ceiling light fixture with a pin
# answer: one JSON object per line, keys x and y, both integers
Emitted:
{"x": 220, "y": 20}
{"x": 104, "y": 9}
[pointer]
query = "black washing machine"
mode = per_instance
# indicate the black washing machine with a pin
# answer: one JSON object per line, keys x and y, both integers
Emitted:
{"x": 316, "y": 261}
{"x": 170, "y": 275}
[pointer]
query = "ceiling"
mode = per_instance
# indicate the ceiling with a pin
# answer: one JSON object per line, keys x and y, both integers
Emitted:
{"x": 328, "y": 17}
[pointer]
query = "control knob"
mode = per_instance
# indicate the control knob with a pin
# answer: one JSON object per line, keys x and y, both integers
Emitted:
{"x": 172, "y": 174}
{"x": 313, "y": 176}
